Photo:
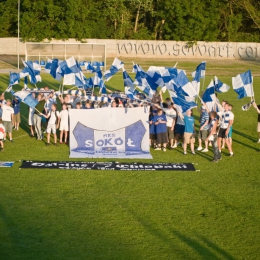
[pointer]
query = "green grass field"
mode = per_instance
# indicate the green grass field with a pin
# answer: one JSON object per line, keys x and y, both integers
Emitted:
{"x": 208, "y": 214}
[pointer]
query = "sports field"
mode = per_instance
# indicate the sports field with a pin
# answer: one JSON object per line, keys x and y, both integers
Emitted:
{"x": 208, "y": 214}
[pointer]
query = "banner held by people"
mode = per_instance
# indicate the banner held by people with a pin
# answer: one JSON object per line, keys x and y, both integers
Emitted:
{"x": 116, "y": 134}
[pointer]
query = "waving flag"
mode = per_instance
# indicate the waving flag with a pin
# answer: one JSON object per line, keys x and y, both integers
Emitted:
{"x": 128, "y": 82}
{"x": 209, "y": 96}
{"x": 103, "y": 89}
{"x": 115, "y": 67}
{"x": 26, "y": 97}
{"x": 183, "y": 86}
{"x": 15, "y": 77}
{"x": 98, "y": 78}
{"x": 89, "y": 82}
{"x": 71, "y": 72}
{"x": 243, "y": 84}
{"x": 219, "y": 86}
{"x": 198, "y": 74}
{"x": 89, "y": 67}
{"x": 181, "y": 104}
{"x": 144, "y": 80}
{"x": 34, "y": 70}
{"x": 51, "y": 68}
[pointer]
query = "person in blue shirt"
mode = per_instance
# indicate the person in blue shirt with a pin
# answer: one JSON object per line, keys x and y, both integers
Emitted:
{"x": 152, "y": 128}
{"x": 161, "y": 130}
{"x": 188, "y": 132}
{"x": 16, "y": 117}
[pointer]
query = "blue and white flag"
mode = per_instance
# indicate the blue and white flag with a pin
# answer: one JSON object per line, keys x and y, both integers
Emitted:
{"x": 71, "y": 72}
{"x": 184, "y": 86}
{"x": 98, "y": 78}
{"x": 144, "y": 80}
{"x": 181, "y": 104}
{"x": 136, "y": 68}
{"x": 89, "y": 82}
{"x": 103, "y": 89}
{"x": 219, "y": 86}
{"x": 15, "y": 77}
{"x": 209, "y": 96}
{"x": 89, "y": 67}
{"x": 26, "y": 97}
{"x": 34, "y": 70}
{"x": 128, "y": 82}
{"x": 243, "y": 84}
{"x": 115, "y": 67}
{"x": 199, "y": 73}
{"x": 51, "y": 68}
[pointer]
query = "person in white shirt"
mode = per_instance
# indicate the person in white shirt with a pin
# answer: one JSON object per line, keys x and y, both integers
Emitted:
{"x": 7, "y": 118}
{"x": 226, "y": 123}
{"x": 2, "y": 133}
{"x": 64, "y": 123}
{"x": 53, "y": 123}
{"x": 50, "y": 99}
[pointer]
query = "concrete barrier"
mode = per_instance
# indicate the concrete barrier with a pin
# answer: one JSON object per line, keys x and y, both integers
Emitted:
{"x": 158, "y": 49}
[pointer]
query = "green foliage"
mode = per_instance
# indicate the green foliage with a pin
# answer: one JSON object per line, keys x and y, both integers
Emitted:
{"x": 181, "y": 20}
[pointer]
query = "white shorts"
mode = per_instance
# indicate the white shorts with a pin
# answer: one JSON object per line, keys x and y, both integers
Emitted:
{"x": 51, "y": 129}
{"x": 30, "y": 119}
{"x": 64, "y": 128}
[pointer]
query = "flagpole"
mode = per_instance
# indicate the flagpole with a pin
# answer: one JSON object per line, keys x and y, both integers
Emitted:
{"x": 203, "y": 82}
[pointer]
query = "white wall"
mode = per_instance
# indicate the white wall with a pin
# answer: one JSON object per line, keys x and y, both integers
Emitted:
{"x": 159, "y": 49}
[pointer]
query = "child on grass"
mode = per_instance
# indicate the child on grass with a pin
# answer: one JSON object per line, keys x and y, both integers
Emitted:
{"x": 64, "y": 123}
{"x": 53, "y": 123}
{"x": 161, "y": 130}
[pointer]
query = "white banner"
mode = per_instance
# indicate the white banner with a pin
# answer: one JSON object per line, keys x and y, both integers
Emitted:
{"x": 109, "y": 133}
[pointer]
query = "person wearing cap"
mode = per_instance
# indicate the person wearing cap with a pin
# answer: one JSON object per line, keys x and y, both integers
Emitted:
{"x": 204, "y": 129}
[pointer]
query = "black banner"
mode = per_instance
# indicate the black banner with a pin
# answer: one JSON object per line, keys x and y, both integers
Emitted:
{"x": 111, "y": 166}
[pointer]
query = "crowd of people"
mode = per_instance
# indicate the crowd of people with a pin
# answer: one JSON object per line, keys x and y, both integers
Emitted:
{"x": 168, "y": 127}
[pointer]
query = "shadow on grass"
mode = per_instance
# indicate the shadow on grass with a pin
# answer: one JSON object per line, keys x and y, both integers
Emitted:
{"x": 205, "y": 248}
{"x": 244, "y": 135}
